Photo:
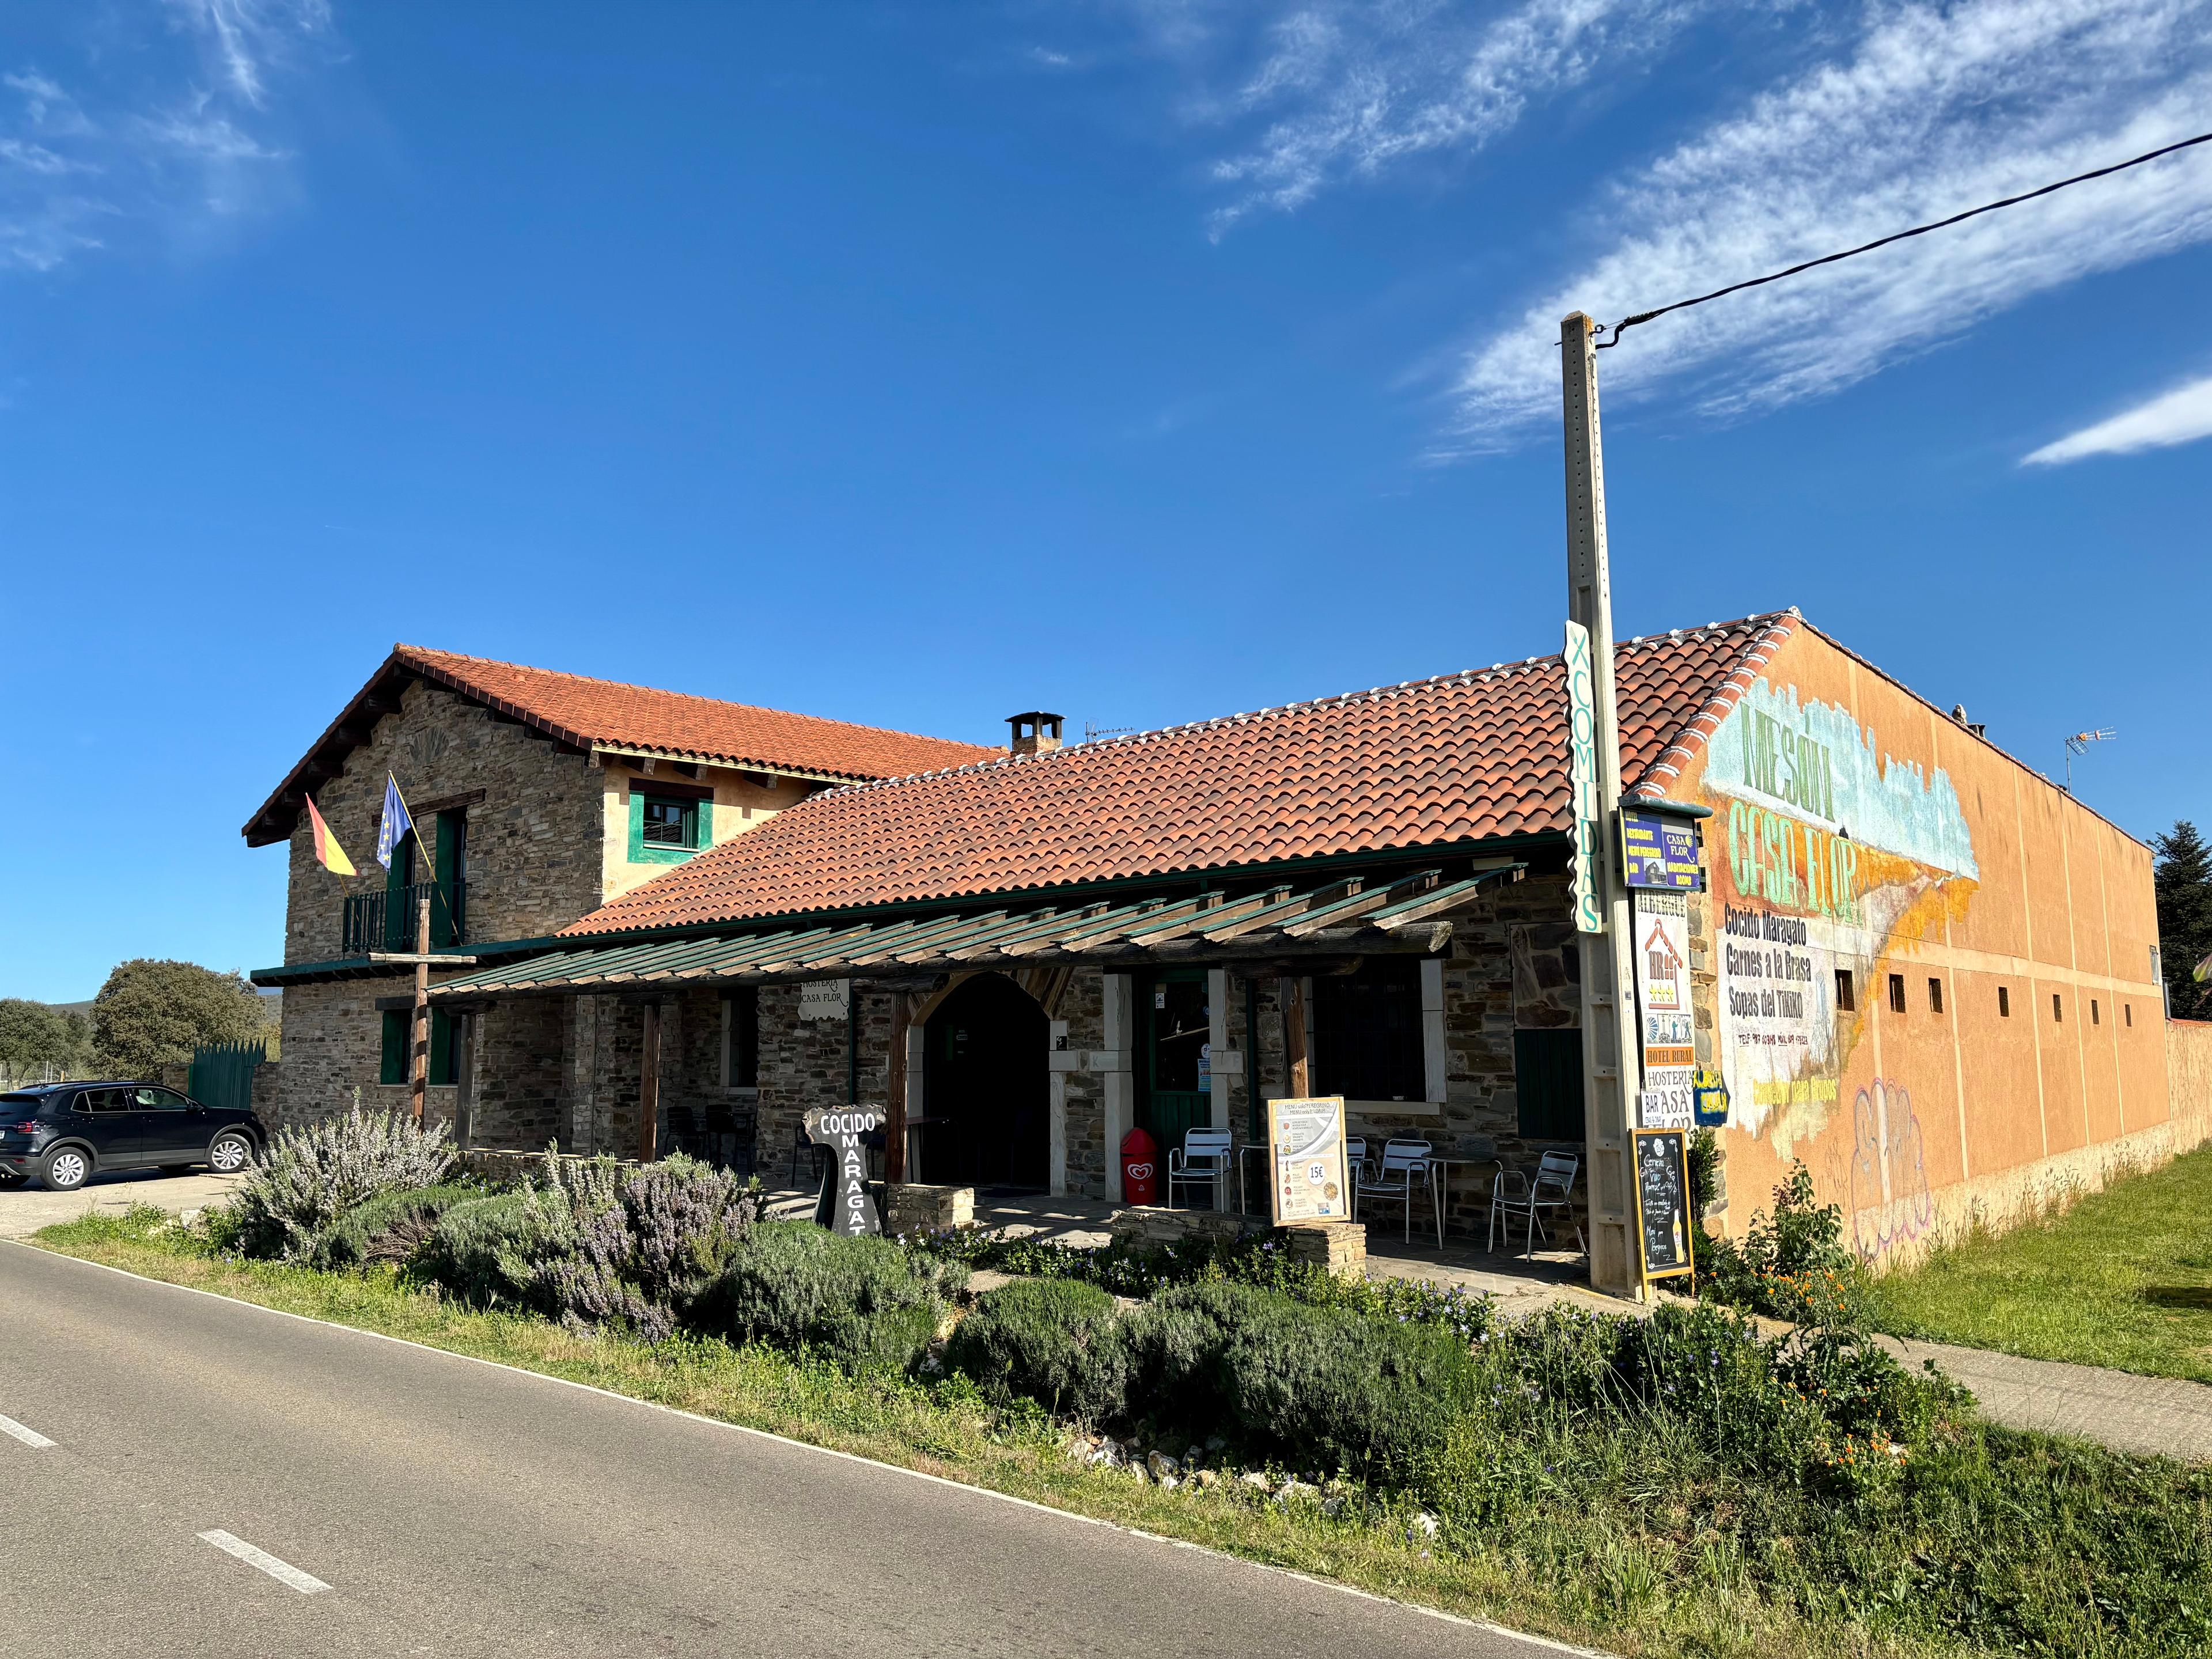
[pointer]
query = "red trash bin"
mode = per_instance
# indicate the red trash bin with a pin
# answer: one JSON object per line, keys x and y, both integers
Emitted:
{"x": 1140, "y": 1170}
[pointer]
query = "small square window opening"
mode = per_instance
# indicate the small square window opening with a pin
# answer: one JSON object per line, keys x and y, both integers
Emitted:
{"x": 1897, "y": 994}
{"x": 2057, "y": 1010}
{"x": 1935, "y": 996}
{"x": 2128, "y": 1015}
{"x": 670, "y": 823}
{"x": 1845, "y": 1001}
{"x": 2096, "y": 1014}
{"x": 2004, "y": 1003}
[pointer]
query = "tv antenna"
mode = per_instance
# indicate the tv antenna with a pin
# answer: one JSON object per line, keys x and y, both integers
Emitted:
{"x": 2079, "y": 744}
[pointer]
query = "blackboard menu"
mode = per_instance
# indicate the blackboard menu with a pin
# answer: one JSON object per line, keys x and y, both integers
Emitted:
{"x": 1662, "y": 1201}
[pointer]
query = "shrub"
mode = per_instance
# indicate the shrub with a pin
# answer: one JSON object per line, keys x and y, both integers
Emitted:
{"x": 485, "y": 1251}
{"x": 863, "y": 1302}
{"x": 1792, "y": 1264}
{"x": 388, "y": 1227}
{"x": 1056, "y": 1341}
{"x": 313, "y": 1175}
{"x": 1372, "y": 1397}
{"x": 633, "y": 1248}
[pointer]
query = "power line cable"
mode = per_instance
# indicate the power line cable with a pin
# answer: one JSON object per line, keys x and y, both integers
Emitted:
{"x": 1917, "y": 230}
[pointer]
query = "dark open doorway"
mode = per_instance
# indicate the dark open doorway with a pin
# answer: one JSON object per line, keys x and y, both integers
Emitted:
{"x": 984, "y": 1078}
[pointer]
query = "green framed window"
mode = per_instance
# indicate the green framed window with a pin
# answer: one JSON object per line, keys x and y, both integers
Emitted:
{"x": 668, "y": 822}
{"x": 396, "y": 1054}
{"x": 1548, "y": 1078}
{"x": 393, "y": 1066}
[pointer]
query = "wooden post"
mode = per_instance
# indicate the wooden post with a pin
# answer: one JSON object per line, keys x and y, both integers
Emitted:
{"x": 1291, "y": 997}
{"x": 649, "y": 1089}
{"x": 464, "y": 1073}
{"x": 895, "y": 1108}
{"x": 420, "y": 1088}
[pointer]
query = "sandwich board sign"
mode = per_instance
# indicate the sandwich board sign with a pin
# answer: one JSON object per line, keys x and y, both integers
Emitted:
{"x": 1309, "y": 1180}
{"x": 1662, "y": 1202}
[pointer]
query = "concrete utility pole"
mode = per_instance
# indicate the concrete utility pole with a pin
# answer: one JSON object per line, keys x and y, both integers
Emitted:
{"x": 1611, "y": 1065}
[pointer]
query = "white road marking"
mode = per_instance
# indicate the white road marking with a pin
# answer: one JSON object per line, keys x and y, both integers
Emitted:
{"x": 30, "y": 1437}
{"x": 283, "y": 1571}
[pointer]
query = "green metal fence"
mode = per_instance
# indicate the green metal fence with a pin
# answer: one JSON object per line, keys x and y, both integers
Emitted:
{"x": 222, "y": 1074}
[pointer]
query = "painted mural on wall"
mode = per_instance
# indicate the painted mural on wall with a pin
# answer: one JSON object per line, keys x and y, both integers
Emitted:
{"x": 1825, "y": 855}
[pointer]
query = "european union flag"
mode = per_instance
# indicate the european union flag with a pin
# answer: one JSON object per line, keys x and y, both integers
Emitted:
{"x": 397, "y": 822}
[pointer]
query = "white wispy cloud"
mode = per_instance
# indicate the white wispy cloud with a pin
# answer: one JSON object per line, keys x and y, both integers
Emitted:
{"x": 188, "y": 139}
{"x": 1352, "y": 90}
{"x": 1931, "y": 112}
{"x": 2180, "y": 416}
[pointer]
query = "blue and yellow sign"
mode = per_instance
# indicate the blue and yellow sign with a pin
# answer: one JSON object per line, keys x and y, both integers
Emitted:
{"x": 1662, "y": 852}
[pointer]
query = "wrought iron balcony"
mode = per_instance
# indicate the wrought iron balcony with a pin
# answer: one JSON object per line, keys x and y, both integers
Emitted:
{"x": 387, "y": 921}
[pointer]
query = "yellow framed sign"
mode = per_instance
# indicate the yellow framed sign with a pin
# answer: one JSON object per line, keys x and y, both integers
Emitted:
{"x": 1308, "y": 1178}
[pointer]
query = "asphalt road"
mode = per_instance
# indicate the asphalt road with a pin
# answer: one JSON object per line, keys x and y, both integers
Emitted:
{"x": 453, "y": 1508}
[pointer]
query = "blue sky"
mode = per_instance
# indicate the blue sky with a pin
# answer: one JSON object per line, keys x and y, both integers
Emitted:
{"x": 1145, "y": 360}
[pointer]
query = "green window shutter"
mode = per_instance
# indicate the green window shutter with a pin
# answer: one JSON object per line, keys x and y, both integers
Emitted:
{"x": 1547, "y": 1078}
{"x": 702, "y": 825}
{"x": 441, "y": 1046}
{"x": 637, "y": 827}
{"x": 393, "y": 1068}
{"x": 445, "y": 916}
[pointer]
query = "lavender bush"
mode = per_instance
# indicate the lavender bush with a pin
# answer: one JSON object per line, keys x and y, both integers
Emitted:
{"x": 312, "y": 1175}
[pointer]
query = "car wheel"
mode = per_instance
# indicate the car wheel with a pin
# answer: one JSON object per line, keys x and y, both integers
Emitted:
{"x": 231, "y": 1152}
{"x": 66, "y": 1168}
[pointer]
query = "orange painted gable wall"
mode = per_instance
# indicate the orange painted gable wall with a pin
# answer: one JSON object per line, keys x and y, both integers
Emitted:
{"x": 1856, "y": 829}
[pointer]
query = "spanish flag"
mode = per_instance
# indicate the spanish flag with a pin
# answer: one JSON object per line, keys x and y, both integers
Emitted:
{"x": 328, "y": 852}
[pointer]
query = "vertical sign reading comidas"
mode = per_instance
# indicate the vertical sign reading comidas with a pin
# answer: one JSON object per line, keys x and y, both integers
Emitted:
{"x": 1305, "y": 1146}
{"x": 1582, "y": 770}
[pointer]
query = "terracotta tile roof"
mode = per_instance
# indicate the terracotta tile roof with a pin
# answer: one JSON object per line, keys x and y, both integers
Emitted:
{"x": 1462, "y": 757}
{"x": 584, "y": 712}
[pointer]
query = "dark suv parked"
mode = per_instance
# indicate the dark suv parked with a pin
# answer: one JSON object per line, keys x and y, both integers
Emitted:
{"x": 65, "y": 1133}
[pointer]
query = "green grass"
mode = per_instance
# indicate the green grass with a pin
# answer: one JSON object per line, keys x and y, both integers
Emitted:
{"x": 1619, "y": 1533}
{"x": 2122, "y": 1279}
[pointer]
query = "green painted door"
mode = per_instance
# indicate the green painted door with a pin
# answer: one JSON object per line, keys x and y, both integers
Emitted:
{"x": 1173, "y": 1068}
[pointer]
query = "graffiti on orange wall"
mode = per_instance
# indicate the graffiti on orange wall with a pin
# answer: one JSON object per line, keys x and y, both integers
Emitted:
{"x": 1890, "y": 1201}
{"x": 1830, "y": 855}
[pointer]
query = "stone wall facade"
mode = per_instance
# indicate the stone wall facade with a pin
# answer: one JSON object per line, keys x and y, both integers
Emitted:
{"x": 534, "y": 837}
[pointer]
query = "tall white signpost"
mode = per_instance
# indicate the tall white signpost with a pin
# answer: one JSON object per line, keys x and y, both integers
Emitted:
{"x": 1611, "y": 1066}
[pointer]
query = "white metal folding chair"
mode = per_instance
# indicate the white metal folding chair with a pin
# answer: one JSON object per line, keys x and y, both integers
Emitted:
{"x": 1355, "y": 1161}
{"x": 1201, "y": 1160}
{"x": 1513, "y": 1194}
{"x": 1404, "y": 1165}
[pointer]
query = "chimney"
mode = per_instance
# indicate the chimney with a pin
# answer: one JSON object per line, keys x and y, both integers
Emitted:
{"x": 1034, "y": 733}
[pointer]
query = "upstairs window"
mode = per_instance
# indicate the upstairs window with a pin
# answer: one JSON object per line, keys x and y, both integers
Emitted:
{"x": 2004, "y": 1003}
{"x": 1897, "y": 994}
{"x": 1845, "y": 1001}
{"x": 1934, "y": 995}
{"x": 668, "y": 822}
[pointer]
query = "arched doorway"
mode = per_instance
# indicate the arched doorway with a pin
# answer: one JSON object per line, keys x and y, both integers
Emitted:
{"x": 985, "y": 1078}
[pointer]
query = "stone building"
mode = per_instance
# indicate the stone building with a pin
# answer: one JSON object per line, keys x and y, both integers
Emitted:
{"x": 1916, "y": 964}
{"x": 539, "y": 797}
